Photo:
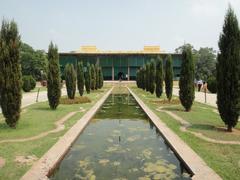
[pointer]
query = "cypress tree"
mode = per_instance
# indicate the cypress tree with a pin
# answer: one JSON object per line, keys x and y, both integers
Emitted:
{"x": 10, "y": 73}
{"x": 141, "y": 78}
{"x": 186, "y": 82}
{"x": 144, "y": 77}
{"x": 97, "y": 76}
{"x": 169, "y": 77}
{"x": 100, "y": 78}
{"x": 70, "y": 78}
{"x": 138, "y": 78}
{"x": 93, "y": 77}
{"x": 228, "y": 71}
{"x": 53, "y": 78}
{"x": 147, "y": 78}
{"x": 159, "y": 77}
{"x": 152, "y": 75}
{"x": 80, "y": 78}
{"x": 88, "y": 78}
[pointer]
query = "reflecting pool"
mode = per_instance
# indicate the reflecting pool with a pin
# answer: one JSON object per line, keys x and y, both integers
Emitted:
{"x": 120, "y": 143}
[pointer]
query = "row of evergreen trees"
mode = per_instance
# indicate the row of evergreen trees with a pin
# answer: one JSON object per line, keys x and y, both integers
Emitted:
{"x": 92, "y": 78}
{"x": 150, "y": 77}
{"x": 11, "y": 77}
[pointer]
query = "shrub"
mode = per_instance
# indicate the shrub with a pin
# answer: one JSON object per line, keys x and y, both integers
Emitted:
{"x": 29, "y": 83}
{"x": 212, "y": 84}
{"x": 10, "y": 73}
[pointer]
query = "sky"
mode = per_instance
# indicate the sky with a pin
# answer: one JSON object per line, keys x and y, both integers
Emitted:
{"x": 118, "y": 24}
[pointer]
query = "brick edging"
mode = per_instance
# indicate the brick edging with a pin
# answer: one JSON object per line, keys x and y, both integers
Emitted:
{"x": 49, "y": 161}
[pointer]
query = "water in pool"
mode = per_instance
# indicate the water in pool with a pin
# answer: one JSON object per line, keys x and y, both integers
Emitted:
{"x": 120, "y": 143}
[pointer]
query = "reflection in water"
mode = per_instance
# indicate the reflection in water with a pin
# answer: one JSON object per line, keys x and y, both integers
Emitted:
{"x": 120, "y": 143}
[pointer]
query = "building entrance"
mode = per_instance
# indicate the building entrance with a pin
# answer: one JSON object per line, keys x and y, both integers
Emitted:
{"x": 120, "y": 76}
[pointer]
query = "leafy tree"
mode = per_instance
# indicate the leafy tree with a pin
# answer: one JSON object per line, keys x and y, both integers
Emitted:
{"x": 186, "y": 82}
{"x": 147, "y": 78}
{"x": 169, "y": 77}
{"x": 100, "y": 78}
{"x": 205, "y": 63}
{"x": 97, "y": 76}
{"x": 184, "y": 46}
{"x": 29, "y": 83}
{"x": 159, "y": 77}
{"x": 32, "y": 61}
{"x": 53, "y": 78}
{"x": 228, "y": 71}
{"x": 212, "y": 84}
{"x": 80, "y": 78}
{"x": 70, "y": 78}
{"x": 10, "y": 73}
{"x": 88, "y": 78}
{"x": 152, "y": 76}
{"x": 93, "y": 77}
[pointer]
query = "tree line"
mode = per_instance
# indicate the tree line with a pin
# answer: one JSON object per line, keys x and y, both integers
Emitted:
{"x": 92, "y": 79}
{"x": 150, "y": 77}
{"x": 12, "y": 81}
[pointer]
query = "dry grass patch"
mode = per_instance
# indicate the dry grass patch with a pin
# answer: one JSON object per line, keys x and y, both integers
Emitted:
{"x": 76, "y": 100}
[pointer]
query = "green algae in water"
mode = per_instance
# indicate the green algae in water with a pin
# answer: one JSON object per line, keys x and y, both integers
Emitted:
{"x": 120, "y": 143}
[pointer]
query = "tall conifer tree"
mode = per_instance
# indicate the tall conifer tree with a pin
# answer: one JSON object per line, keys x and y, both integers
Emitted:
{"x": 10, "y": 73}
{"x": 186, "y": 82}
{"x": 88, "y": 78}
{"x": 152, "y": 75}
{"x": 147, "y": 78}
{"x": 53, "y": 78}
{"x": 169, "y": 77}
{"x": 70, "y": 78}
{"x": 97, "y": 76}
{"x": 80, "y": 78}
{"x": 228, "y": 71}
{"x": 159, "y": 77}
{"x": 100, "y": 78}
{"x": 93, "y": 77}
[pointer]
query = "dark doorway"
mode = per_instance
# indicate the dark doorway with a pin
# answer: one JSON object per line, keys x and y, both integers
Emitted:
{"x": 120, "y": 76}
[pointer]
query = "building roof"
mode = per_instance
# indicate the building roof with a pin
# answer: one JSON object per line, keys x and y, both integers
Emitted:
{"x": 95, "y": 50}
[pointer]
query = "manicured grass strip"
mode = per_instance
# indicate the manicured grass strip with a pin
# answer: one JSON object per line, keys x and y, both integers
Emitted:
{"x": 37, "y": 119}
{"x": 223, "y": 159}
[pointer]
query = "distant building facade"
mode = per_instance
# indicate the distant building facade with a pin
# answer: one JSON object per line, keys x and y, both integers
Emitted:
{"x": 116, "y": 64}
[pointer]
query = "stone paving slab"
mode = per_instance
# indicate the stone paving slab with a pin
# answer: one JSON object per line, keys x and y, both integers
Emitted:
{"x": 194, "y": 163}
{"x": 49, "y": 161}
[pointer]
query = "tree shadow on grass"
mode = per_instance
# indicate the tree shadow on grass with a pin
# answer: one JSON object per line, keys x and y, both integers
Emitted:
{"x": 176, "y": 109}
{"x": 42, "y": 108}
{"x": 203, "y": 127}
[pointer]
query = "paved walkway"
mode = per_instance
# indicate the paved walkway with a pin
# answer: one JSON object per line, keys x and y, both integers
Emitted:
{"x": 30, "y": 98}
{"x": 199, "y": 97}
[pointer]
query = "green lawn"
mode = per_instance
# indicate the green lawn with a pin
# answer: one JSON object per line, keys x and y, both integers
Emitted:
{"x": 36, "y": 119}
{"x": 223, "y": 159}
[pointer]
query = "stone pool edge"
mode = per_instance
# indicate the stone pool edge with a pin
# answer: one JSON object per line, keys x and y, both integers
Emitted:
{"x": 49, "y": 161}
{"x": 200, "y": 170}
